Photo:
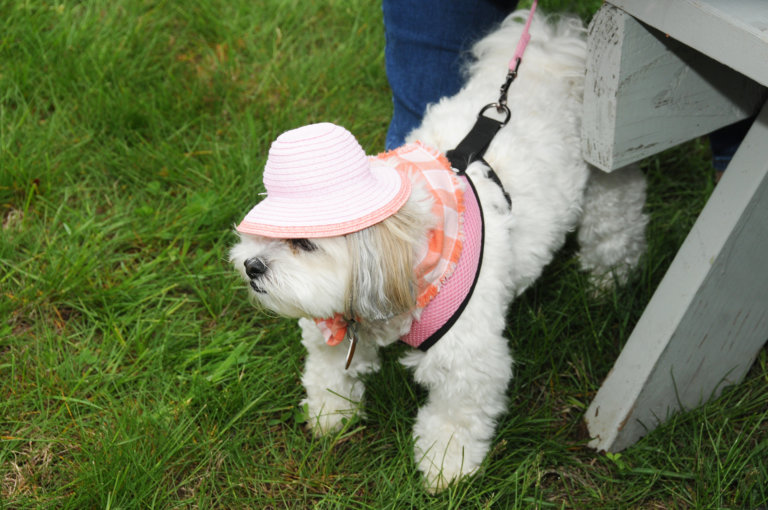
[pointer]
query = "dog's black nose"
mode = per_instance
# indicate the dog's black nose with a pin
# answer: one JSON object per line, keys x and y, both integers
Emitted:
{"x": 255, "y": 267}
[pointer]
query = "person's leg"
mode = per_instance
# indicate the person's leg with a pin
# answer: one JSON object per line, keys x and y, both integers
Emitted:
{"x": 425, "y": 42}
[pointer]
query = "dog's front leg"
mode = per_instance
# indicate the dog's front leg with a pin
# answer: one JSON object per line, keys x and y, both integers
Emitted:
{"x": 467, "y": 394}
{"x": 333, "y": 393}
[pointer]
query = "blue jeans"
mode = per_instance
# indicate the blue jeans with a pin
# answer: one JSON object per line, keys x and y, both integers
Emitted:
{"x": 426, "y": 44}
{"x": 725, "y": 141}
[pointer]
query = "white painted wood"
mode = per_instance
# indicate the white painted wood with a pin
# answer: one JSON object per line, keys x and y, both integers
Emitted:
{"x": 734, "y": 32}
{"x": 709, "y": 316}
{"x": 646, "y": 92}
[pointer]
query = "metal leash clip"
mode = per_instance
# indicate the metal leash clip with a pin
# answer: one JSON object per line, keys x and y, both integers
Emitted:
{"x": 511, "y": 75}
{"x": 501, "y": 104}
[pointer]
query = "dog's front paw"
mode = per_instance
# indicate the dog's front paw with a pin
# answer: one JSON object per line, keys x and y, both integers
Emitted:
{"x": 325, "y": 414}
{"x": 442, "y": 461}
{"x": 449, "y": 443}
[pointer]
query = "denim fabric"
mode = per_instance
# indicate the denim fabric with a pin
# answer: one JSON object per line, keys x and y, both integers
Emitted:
{"x": 426, "y": 42}
{"x": 725, "y": 141}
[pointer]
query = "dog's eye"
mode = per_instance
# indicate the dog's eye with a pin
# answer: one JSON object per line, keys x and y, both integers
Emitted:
{"x": 302, "y": 244}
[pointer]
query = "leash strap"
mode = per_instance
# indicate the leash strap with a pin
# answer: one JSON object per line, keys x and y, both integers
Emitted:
{"x": 517, "y": 58}
{"x": 524, "y": 38}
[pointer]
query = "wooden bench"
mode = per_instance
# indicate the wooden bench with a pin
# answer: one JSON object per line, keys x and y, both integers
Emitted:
{"x": 661, "y": 72}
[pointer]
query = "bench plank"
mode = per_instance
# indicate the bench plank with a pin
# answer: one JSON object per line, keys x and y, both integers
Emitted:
{"x": 646, "y": 92}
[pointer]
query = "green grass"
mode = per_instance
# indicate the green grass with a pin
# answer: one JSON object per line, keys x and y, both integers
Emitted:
{"x": 133, "y": 371}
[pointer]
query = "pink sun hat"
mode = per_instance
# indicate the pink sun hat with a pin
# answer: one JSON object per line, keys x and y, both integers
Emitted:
{"x": 320, "y": 183}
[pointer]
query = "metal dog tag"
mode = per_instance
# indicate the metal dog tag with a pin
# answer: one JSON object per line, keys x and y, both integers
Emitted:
{"x": 352, "y": 344}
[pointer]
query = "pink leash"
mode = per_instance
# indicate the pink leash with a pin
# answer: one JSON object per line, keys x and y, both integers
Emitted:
{"x": 524, "y": 38}
{"x": 514, "y": 64}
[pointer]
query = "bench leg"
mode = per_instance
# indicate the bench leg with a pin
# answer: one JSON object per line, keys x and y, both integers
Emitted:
{"x": 707, "y": 320}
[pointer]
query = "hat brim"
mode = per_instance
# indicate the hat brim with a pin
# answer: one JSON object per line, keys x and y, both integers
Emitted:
{"x": 330, "y": 214}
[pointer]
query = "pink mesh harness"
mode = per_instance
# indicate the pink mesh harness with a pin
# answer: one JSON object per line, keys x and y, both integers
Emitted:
{"x": 444, "y": 309}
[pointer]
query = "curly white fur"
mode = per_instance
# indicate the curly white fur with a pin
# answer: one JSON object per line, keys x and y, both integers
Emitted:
{"x": 553, "y": 191}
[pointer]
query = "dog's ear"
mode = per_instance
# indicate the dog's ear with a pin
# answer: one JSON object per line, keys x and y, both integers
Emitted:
{"x": 382, "y": 283}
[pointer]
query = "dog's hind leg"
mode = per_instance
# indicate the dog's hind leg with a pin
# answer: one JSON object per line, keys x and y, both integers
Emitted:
{"x": 612, "y": 231}
{"x": 333, "y": 393}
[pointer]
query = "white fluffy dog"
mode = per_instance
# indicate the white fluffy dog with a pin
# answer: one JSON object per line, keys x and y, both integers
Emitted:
{"x": 368, "y": 274}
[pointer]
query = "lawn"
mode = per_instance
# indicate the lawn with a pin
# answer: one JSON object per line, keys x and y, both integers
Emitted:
{"x": 134, "y": 373}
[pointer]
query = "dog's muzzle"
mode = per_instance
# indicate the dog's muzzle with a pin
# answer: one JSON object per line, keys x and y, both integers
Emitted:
{"x": 255, "y": 269}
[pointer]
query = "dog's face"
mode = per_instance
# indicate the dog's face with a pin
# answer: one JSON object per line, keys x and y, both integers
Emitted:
{"x": 366, "y": 275}
{"x": 295, "y": 277}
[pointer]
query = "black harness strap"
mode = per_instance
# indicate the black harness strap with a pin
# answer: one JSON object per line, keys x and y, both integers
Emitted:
{"x": 473, "y": 146}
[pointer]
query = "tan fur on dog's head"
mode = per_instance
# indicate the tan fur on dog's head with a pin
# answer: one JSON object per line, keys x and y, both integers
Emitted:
{"x": 383, "y": 283}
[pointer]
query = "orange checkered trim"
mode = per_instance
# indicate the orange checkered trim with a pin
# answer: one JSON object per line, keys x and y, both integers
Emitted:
{"x": 438, "y": 259}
